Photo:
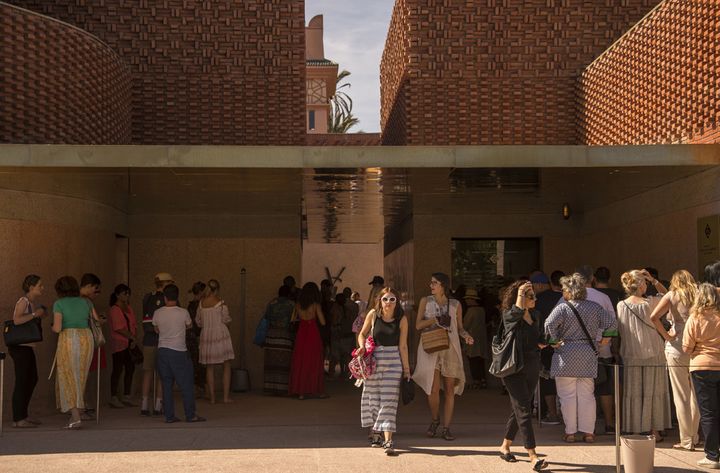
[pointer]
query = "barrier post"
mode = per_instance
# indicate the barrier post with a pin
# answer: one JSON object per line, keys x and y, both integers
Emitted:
{"x": 2, "y": 388}
{"x": 618, "y": 415}
{"x": 538, "y": 400}
{"x": 97, "y": 394}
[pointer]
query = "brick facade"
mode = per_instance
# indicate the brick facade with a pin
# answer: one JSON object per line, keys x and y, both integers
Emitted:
{"x": 203, "y": 72}
{"x": 493, "y": 71}
{"x": 59, "y": 84}
{"x": 660, "y": 83}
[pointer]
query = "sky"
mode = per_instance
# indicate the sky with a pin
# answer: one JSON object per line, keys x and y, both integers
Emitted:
{"x": 355, "y": 38}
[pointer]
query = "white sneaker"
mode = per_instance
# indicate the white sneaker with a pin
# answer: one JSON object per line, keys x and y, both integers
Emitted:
{"x": 710, "y": 464}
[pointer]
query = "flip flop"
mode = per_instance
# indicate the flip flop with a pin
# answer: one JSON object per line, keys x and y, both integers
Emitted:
{"x": 539, "y": 465}
{"x": 508, "y": 457}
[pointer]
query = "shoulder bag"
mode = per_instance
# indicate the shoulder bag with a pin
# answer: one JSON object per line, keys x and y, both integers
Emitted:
{"x": 436, "y": 339}
{"x": 506, "y": 352}
{"x": 602, "y": 375}
{"x": 261, "y": 330}
{"x": 95, "y": 328}
{"x": 29, "y": 332}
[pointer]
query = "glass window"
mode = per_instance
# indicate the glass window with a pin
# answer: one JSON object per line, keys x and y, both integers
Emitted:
{"x": 311, "y": 119}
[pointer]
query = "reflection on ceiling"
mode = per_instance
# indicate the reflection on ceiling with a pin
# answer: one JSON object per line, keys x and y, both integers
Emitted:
{"x": 343, "y": 205}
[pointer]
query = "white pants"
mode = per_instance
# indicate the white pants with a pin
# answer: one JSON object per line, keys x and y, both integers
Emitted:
{"x": 688, "y": 412}
{"x": 577, "y": 402}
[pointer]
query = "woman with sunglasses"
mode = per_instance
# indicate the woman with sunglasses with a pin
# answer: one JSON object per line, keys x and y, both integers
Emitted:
{"x": 389, "y": 329}
{"x": 442, "y": 369}
{"x": 519, "y": 314}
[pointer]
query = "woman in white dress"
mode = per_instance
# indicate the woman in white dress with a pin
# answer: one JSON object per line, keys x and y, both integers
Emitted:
{"x": 215, "y": 343}
{"x": 442, "y": 369}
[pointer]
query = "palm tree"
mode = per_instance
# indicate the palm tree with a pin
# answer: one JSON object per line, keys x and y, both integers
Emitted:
{"x": 341, "y": 117}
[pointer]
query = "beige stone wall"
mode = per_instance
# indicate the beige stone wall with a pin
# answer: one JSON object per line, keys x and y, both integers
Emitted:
{"x": 51, "y": 250}
{"x": 266, "y": 262}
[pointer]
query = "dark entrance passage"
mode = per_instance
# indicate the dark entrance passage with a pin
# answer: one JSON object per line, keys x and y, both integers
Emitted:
{"x": 485, "y": 263}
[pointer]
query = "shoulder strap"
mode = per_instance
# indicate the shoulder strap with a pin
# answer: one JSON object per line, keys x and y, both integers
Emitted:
{"x": 638, "y": 317}
{"x": 582, "y": 325}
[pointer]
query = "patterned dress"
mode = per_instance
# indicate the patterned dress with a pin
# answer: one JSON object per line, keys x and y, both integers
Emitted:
{"x": 215, "y": 343}
{"x": 278, "y": 346}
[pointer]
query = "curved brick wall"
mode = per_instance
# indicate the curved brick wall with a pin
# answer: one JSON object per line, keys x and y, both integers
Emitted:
{"x": 59, "y": 84}
{"x": 660, "y": 82}
{"x": 203, "y": 71}
{"x": 493, "y": 71}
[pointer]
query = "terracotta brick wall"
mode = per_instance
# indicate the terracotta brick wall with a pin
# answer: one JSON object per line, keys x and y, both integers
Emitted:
{"x": 493, "y": 71}
{"x": 59, "y": 84}
{"x": 660, "y": 83}
{"x": 203, "y": 72}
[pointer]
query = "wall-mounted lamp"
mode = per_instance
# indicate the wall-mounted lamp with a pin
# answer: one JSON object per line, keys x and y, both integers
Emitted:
{"x": 566, "y": 211}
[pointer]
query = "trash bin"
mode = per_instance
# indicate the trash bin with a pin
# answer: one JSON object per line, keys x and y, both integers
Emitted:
{"x": 638, "y": 453}
{"x": 240, "y": 381}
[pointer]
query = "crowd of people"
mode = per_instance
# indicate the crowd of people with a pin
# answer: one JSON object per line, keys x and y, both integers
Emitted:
{"x": 570, "y": 329}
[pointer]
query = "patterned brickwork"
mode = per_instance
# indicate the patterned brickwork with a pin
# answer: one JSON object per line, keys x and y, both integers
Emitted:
{"x": 343, "y": 139}
{"x": 660, "y": 83}
{"x": 59, "y": 84}
{"x": 493, "y": 71}
{"x": 203, "y": 71}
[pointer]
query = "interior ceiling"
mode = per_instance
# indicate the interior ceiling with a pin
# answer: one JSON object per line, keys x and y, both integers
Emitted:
{"x": 344, "y": 205}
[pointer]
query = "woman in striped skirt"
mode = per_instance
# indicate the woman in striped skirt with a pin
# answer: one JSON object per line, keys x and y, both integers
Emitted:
{"x": 389, "y": 329}
{"x": 74, "y": 353}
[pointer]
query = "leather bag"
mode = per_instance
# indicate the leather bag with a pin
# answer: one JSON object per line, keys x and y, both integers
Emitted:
{"x": 29, "y": 332}
{"x": 507, "y": 356}
{"x": 435, "y": 340}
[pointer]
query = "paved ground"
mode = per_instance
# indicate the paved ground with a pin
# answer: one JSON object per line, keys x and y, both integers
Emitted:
{"x": 277, "y": 434}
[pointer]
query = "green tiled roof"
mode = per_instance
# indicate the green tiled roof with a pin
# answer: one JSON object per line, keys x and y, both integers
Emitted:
{"x": 320, "y": 62}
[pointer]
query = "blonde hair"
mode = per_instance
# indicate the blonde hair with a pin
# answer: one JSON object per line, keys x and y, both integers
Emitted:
{"x": 683, "y": 283}
{"x": 213, "y": 286}
{"x": 631, "y": 281}
{"x": 707, "y": 299}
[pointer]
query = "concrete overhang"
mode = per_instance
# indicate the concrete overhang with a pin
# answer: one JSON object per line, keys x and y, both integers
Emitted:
{"x": 301, "y": 157}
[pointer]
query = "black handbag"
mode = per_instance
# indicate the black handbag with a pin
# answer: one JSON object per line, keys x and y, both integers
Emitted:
{"x": 602, "y": 375}
{"x": 29, "y": 332}
{"x": 136, "y": 355}
{"x": 407, "y": 391}
{"x": 507, "y": 356}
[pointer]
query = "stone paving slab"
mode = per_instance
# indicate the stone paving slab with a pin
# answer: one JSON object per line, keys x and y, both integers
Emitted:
{"x": 266, "y": 434}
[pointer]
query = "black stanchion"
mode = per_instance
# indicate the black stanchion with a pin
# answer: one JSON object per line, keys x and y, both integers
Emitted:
{"x": 618, "y": 414}
{"x": 2, "y": 388}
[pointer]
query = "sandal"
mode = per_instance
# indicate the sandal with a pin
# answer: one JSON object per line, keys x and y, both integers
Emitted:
{"x": 432, "y": 430}
{"x": 376, "y": 440}
{"x": 446, "y": 434}
{"x": 568, "y": 438}
{"x": 539, "y": 465}
{"x": 508, "y": 457}
{"x": 679, "y": 446}
{"x": 589, "y": 438}
{"x": 658, "y": 436}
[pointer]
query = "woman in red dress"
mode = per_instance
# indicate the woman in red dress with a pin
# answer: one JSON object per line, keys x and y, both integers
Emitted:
{"x": 306, "y": 373}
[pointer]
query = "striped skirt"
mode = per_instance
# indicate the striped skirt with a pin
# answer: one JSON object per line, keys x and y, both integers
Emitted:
{"x": 381, "y": 392}
{"x": 73, "y": 357}
{"x": 278, "y": 356}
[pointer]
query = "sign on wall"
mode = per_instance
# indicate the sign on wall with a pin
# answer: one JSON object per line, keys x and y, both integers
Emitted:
{"x": 708, "y": 235}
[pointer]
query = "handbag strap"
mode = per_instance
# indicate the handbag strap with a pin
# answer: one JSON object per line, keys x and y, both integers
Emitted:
{"x": 639, "y": 318}
{"x": 582, "y": 325}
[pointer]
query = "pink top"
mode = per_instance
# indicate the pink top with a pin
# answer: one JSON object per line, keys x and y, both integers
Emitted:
{"x": 118, "y": 321}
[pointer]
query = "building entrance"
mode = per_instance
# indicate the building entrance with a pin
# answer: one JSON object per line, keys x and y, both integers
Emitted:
{"x": 486, "y": 263}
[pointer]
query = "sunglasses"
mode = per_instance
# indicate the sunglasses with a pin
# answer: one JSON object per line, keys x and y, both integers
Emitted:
{"x": 434, "y": 283}
{"x": 389, "y": 299}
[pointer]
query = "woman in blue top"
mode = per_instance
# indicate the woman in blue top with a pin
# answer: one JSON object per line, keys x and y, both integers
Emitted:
{"x": 74, "y": 349}
{"x": 573, "y": 328}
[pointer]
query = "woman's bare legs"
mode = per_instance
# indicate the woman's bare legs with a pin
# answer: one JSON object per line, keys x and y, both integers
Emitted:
{"x": 226, "y": 381}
